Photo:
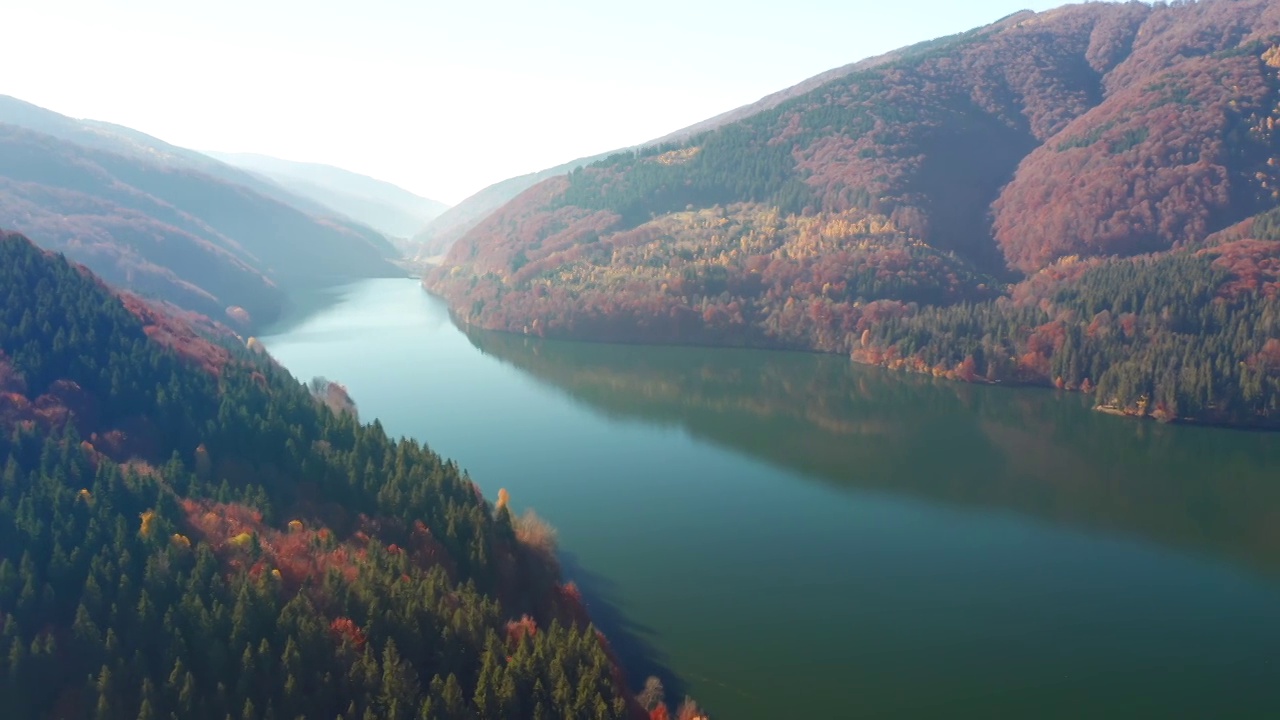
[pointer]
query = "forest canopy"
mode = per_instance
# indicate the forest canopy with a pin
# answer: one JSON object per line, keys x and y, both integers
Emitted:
{"x": 187, "y": 531}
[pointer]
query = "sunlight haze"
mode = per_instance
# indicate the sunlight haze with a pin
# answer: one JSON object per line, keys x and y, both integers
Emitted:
{"x": 442, "y": 99}
{"x": 572, "y": 360}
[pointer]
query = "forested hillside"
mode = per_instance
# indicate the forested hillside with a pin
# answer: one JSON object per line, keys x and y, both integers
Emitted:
{"x": 131, "y": 143}
{"x": 150, "y": 218}
{"x": 436, "y": 237}
{"x": 981, "y": 207}
{"x": 440, "y": 234}
{"x": 186, "y": 531}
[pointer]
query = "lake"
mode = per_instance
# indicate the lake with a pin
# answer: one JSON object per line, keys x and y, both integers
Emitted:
{"x": 785, "y": 535}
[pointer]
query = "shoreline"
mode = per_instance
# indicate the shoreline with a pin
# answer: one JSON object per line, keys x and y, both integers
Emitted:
{"x": 1265, "y": 427}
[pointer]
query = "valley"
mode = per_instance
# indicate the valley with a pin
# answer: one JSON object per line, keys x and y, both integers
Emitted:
{"x": 772, "y": 530}
{"x": 941, "y": 383}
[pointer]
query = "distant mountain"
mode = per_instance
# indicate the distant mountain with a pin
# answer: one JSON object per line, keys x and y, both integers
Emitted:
{"x": 132, "y": 143}
{"x": 171, "y": 223}
{"x": 1089, "y": 155}
{"x": 441, "y": 233}
{"x": 382, "y": 206}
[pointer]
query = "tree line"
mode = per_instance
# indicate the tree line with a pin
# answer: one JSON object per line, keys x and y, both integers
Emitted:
{"x": 177, "y": 542}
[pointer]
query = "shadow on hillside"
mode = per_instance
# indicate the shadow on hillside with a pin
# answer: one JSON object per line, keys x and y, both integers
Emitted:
{"x": 630, "y": 640}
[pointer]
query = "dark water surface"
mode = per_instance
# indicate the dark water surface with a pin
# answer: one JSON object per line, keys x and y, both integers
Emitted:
{"x": 789, "y": 535}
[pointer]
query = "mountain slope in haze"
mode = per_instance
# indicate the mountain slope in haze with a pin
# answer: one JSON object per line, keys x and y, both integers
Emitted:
{"x": 138, "y": 145}
{"x": 175, "y": 233}
{"x": 441, "y": 233}
{"x": 187, "y": 531}
{"x": 885, "y": 213}
{"x": 382, "y": 206}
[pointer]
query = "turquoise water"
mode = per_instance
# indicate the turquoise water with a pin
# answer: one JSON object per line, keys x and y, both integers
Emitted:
{"x": 783, "y": 534}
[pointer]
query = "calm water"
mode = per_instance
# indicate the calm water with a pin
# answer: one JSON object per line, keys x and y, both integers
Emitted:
{"x": 785, "y": 535}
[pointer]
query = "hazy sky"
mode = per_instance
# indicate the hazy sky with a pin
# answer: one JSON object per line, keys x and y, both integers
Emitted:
{"x": 442, "y": 99}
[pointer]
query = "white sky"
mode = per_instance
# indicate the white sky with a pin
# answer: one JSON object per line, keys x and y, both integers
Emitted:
{"x": 440, "y": 98}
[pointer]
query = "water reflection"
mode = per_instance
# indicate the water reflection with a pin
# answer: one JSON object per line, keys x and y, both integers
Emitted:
{"x": 1029, "y": 451}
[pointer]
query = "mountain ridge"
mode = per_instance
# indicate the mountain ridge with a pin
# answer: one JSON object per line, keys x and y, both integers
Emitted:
{"x": 164, "y": 227}
{"x": 122, "y": 140}
{"x": 885, "y": 213}
{"x": 439, "y": 235}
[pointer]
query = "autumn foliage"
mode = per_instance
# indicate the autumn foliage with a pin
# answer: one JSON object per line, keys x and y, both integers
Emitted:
{"x": 217, "y": 541}
{"x": 995, "y": 206}
{"x": 738, "y": 275}
{"x": 189, "y": 334}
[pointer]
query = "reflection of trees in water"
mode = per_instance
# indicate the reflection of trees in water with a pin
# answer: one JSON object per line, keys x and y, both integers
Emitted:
{"x": 1036, "y": 452}
{"x": 662, "y": 380}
